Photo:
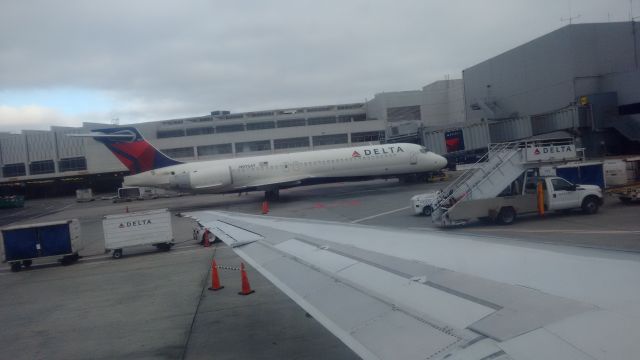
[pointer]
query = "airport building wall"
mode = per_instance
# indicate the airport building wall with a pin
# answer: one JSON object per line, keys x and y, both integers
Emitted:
{"x": 37, "y": 155}
{"x": 582, "y": 78}
{"x": 586, "y": 64}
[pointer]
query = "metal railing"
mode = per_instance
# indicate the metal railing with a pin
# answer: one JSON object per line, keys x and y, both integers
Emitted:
{"x": 462, "y": 188}
{"x": 451, "y": 194}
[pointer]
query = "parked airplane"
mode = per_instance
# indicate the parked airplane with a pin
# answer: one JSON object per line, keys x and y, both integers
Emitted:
{"x": 269, "y": 173}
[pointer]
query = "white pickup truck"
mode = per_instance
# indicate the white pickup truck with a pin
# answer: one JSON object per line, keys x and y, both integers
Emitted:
{"x": 559, "y": 195}
{"x": 421, "y": 203}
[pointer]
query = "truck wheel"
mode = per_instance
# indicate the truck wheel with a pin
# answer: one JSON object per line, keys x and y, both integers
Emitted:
{"x": 164, "y": 247}
{"x": 590, "y": 205}
{"x": 625, "y": 200}
{"x": 117, "y": 253}
{"x": 506, "y": 216}
{"x": 427, "y": 210}
{"x": 16, "y": 266}
{"x": 27, "y": 263}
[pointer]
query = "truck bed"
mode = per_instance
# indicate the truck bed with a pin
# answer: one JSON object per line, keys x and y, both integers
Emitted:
{"x": 481, "y": 208}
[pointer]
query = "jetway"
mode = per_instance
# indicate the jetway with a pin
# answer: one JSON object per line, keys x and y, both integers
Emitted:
{"x": 501, "y": 166}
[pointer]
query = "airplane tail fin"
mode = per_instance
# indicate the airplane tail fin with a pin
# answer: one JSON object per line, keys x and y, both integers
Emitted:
{"x": 133, "y": 151}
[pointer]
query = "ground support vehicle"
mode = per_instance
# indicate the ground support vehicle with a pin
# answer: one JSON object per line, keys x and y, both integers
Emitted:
{"x": 21, "y": 244}
{"x": 499, "y": 185}
{"x": 559, "y": 195}
{"x": 138, "y": 228}
{"x": 84, "y": 195}
{"x": 14, "y": 201}
{"x": 626, "y": 194}
{"x": 141, "y": 193}
{"x": 421, "y": 204}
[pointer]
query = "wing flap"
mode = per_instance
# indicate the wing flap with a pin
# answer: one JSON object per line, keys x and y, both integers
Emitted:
{"x": 370, "y": 326}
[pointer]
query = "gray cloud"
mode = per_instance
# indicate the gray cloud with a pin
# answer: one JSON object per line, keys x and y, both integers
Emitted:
{"x": 165, "y": 59}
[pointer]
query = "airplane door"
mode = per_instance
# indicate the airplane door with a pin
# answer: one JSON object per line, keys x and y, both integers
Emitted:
{"x": 413, "y": 159}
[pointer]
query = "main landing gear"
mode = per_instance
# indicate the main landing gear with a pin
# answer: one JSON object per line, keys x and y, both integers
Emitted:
{"x": 272, "y": 195}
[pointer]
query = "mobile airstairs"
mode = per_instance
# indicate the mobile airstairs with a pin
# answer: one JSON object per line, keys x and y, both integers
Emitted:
{"x": 494, "y": 172}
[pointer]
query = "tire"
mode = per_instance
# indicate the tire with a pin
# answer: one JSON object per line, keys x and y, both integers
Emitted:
{"x": 117, "y": 254}
{"x": 506, "y": 216}
{"x": 590, "y": 205}
{"x": 164, "y": 247}
{"x": 625, "y": 200}
{"x": 427, "y": 210}
{"x": 16, "y": 266}
{"x": 27, "y": 263}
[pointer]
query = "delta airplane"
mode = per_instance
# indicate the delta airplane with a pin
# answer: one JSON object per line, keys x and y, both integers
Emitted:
{"x": 270, "y": 173}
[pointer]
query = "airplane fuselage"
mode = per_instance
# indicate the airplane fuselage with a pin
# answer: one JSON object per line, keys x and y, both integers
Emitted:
{"x": 291, "y": 169}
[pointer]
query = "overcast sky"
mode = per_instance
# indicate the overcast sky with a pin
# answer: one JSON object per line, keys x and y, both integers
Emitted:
{"x": 65, "y": 62}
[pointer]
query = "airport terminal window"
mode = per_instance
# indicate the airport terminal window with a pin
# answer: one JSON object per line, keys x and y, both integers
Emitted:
{"x": 13, "y": 170}
{"x": 291, "y": 123}
{"x": 322, "y": 108}
{"x": 291, "y": 143}
{"x": 403, "y": 113}
{"x": 350, "y": 106}
{"x": 344, "y": 118}
{"x": 330, "y": 139}
{"x": 253, "y": 146}
{"x": 233, "y": 116}
{"x": 260, "y": 114}
{"x": 366, "y": 136}
{"x": 179, "y": 152}
{"x": 200, "y": 131}
{"x": 172, "y": 122}
{"x": 202, "y": 119}
{"x": 72, "y": 164}
{"x": 361, "y": 117}
{"x": 163, "y": 134}
{"x": 214, "y": 149}
{"x": 322, "y": 120}
{"x": 230, "y": 128}
{"x": 261, "y": 125}
{"x": 41, "y": 167}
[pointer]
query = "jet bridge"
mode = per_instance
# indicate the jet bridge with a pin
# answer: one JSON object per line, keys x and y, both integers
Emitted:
{"x": 502, "y": 165}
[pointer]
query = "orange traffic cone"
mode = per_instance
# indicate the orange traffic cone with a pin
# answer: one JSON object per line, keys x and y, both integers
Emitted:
{"x": 215, "y": 279}
{"x": 265, "y": 207}
{"x": 246, "y": 288}
{"x": 207, "y": 243}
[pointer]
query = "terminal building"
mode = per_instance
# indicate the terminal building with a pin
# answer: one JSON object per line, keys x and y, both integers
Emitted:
{"x": 581, "y": 80}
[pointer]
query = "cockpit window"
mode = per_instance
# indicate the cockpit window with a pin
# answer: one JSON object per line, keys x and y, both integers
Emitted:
{"x": 424, "y": 150}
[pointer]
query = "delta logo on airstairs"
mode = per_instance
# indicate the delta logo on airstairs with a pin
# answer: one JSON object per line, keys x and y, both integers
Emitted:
{"x": 551, "y": 152}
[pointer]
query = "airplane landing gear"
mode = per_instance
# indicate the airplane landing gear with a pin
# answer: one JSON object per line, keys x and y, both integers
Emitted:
{"x": 272, "y": 195}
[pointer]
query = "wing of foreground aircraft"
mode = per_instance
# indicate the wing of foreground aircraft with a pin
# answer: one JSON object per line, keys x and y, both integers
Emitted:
{"x": 391, "y": 294}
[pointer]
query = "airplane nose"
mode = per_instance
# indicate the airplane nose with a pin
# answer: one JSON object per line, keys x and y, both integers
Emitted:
{"x": 442, "y": 161}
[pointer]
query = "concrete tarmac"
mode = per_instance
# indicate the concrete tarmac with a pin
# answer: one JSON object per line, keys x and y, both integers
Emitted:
{"x": 155, "y": 305}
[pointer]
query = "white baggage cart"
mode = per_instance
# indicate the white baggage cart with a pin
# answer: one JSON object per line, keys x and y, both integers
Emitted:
{"x": 138, "y": 228}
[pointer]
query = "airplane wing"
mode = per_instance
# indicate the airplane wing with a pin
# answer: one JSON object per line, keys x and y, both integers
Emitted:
{"x": 394, "y": 294}
{"x": 282, "y": 182}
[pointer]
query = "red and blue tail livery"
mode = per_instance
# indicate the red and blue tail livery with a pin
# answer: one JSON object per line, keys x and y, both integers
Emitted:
{"x": 128, "y": 145}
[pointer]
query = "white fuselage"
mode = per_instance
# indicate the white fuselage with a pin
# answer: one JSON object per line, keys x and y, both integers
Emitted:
{"x": 291, "y": 169}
